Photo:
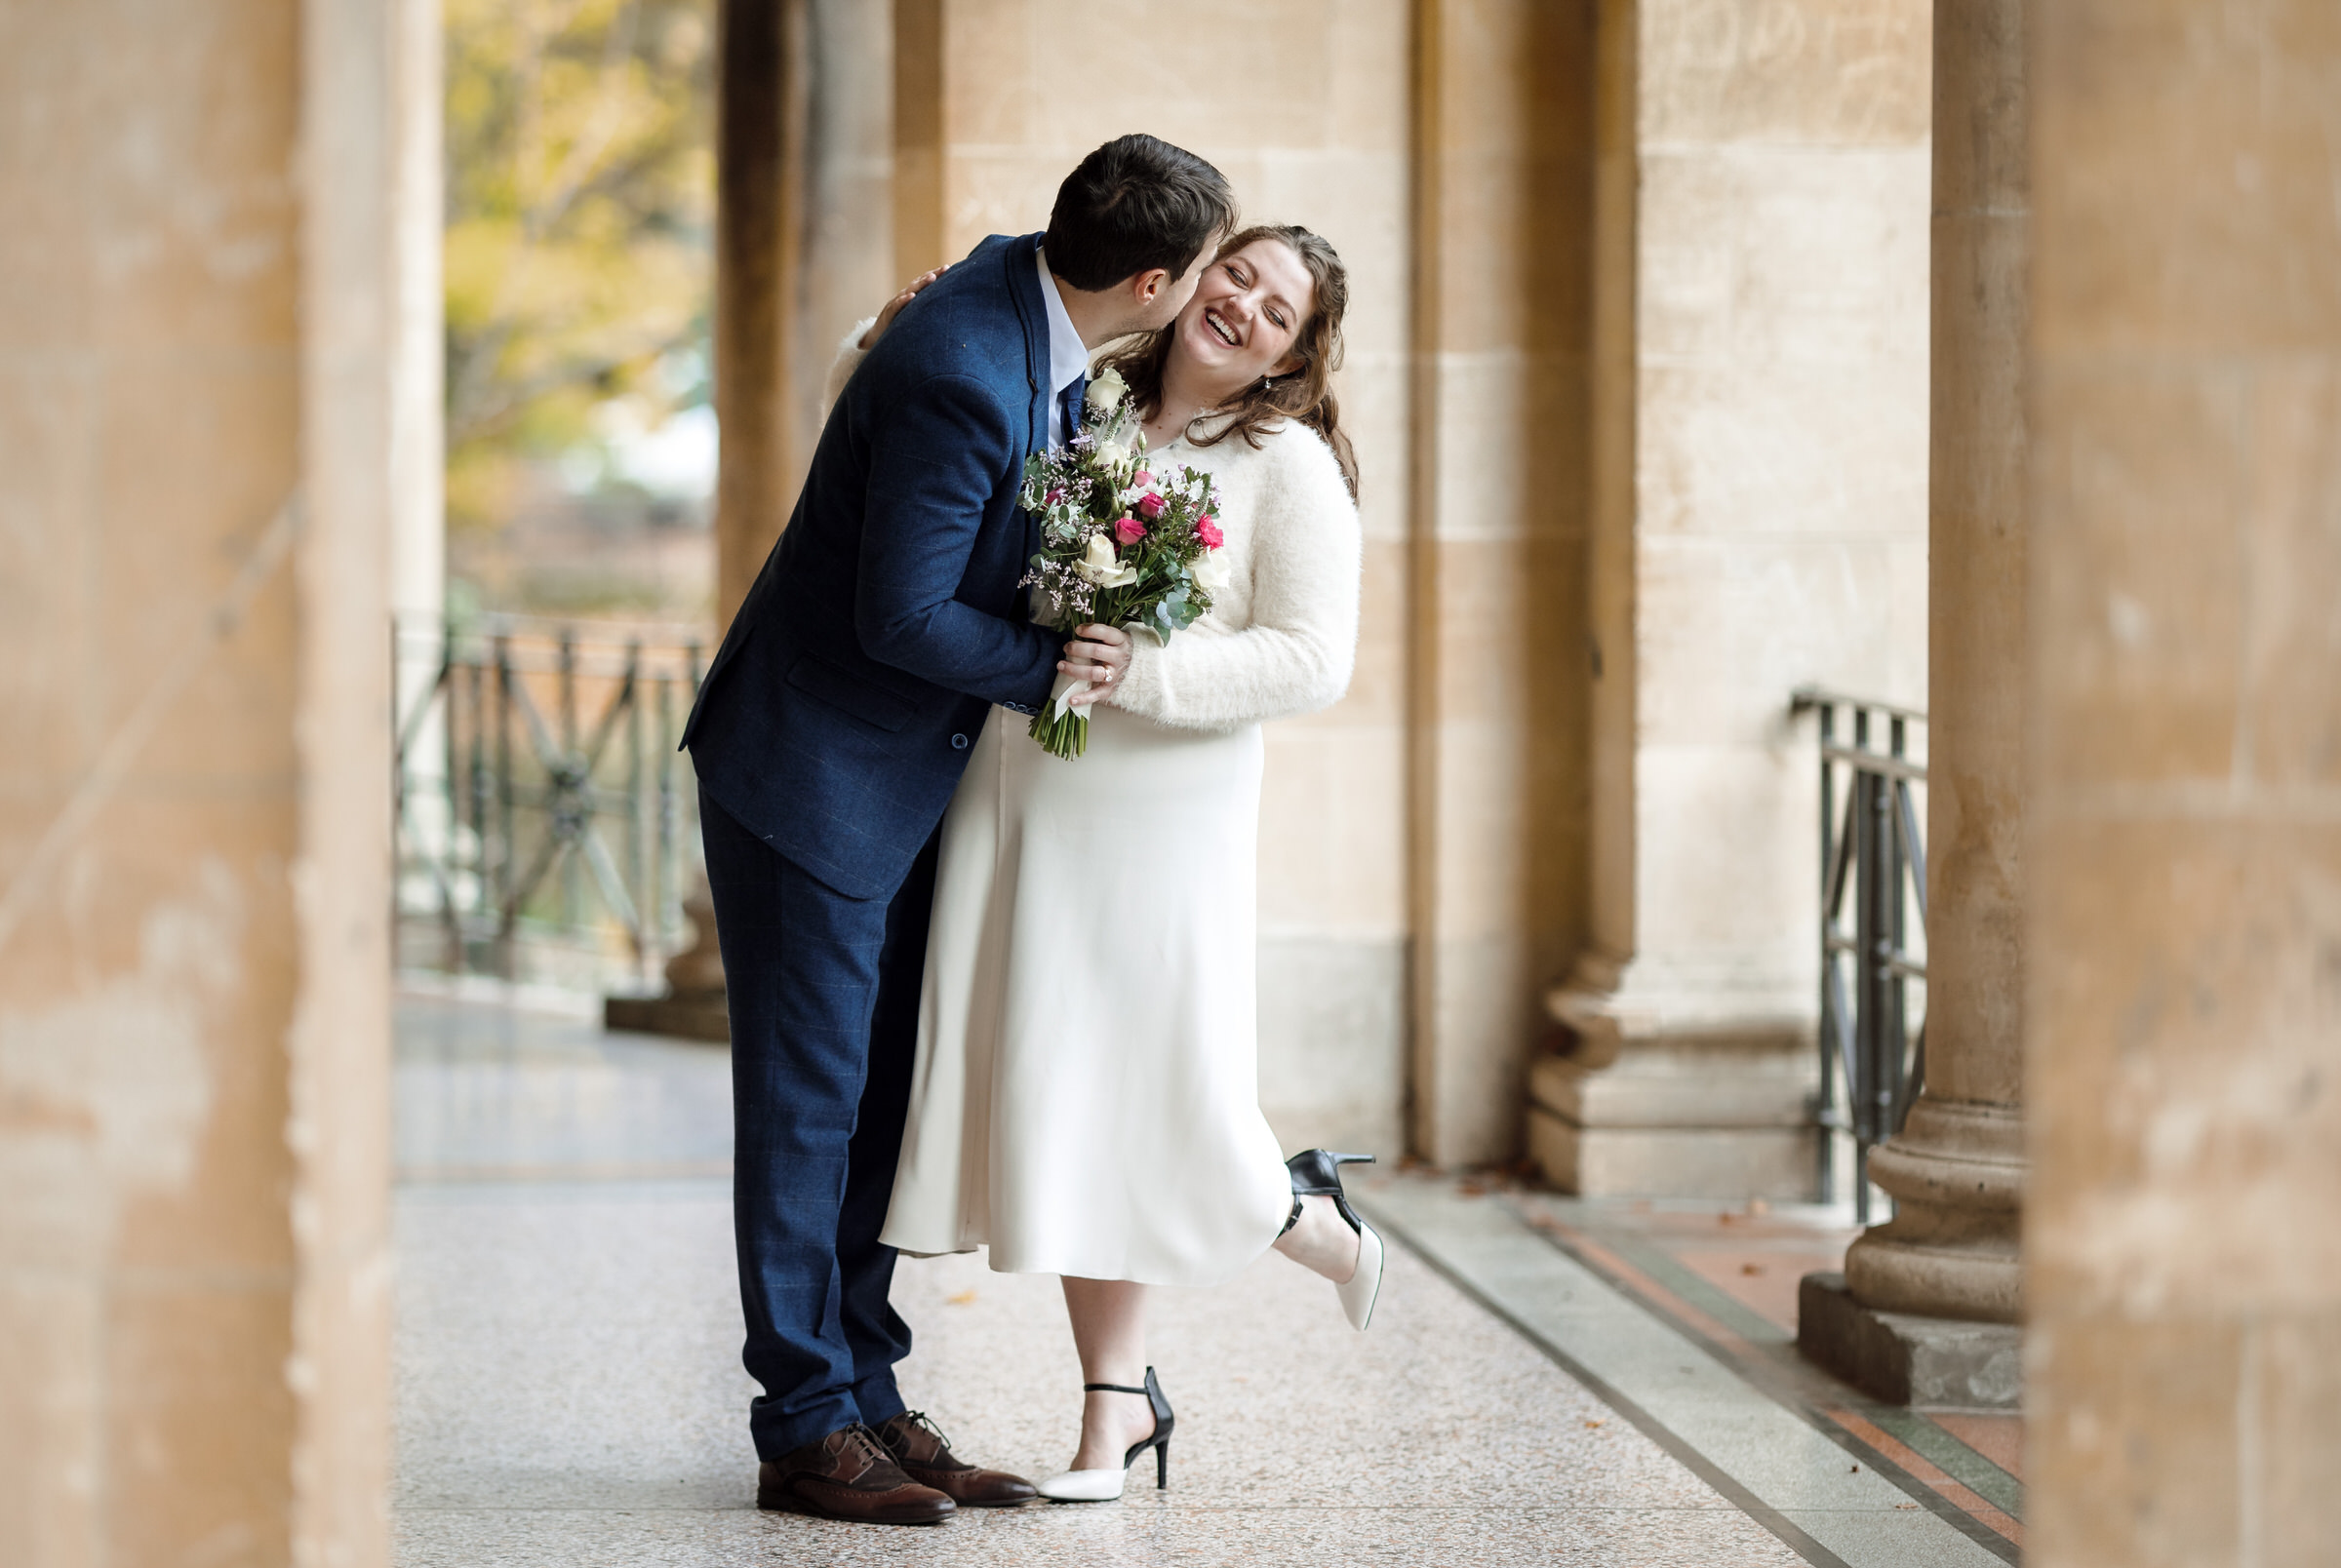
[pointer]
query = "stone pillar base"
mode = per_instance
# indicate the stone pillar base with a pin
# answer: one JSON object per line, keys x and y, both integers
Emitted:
{"x": 1623, "y": 1133}
{"x": 1663, "y": 1097}
{"x": 1905, "y": 1359}
{"x": 1724, "y": 1163}
{"x": 701, "y": 1017}
{"x": 693, "y": 1006}
{"x": 1952, "y": 1248}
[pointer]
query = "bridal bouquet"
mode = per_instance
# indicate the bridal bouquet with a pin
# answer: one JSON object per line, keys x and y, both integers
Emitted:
{"x": 1121, "y": 544}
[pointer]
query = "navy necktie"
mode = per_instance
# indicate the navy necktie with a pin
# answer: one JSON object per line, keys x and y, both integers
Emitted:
{"x": 1068, "y": 404}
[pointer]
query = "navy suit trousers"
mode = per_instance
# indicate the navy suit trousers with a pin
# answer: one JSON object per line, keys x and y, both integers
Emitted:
{"x": 823, "y": 990}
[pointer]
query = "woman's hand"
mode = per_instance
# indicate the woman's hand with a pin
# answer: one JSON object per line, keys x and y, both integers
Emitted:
{"x": 1097, "y": 655}
{"x": 893, "y": 307}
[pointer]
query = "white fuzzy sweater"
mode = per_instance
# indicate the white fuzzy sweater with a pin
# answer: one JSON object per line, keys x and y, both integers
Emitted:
{"x": 1282, "y": 637}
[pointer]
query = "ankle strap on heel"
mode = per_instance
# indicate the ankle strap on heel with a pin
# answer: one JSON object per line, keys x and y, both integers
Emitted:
{"x": 1110, "y": 1388}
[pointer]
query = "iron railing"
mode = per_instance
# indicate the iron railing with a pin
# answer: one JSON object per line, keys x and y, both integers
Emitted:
{"x": 1873, "y": 853}
{"x": 545, "y": 826}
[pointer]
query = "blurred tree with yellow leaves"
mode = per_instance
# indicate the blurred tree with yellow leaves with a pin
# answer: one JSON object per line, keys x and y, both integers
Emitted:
{"x": 580, "y": 189}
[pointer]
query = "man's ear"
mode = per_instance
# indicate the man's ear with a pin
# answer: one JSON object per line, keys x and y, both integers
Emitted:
{"x": 1148, "y": 284}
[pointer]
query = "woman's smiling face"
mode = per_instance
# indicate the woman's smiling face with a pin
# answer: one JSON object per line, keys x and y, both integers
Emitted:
{"x": 1245, "y": 313}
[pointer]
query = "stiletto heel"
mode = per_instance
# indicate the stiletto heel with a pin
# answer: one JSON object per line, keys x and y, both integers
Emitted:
{"x": 1105, "y": 1485}
{"x": 1317, "y": 1173}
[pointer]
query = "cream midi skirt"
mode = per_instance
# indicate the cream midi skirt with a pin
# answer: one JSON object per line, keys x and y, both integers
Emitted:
{"x": 1086, "y": 1100}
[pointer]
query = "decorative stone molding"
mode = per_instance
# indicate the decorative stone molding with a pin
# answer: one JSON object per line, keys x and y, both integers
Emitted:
{"x": 1674, "y": 1090}
{"x": 1951, "y": 1250}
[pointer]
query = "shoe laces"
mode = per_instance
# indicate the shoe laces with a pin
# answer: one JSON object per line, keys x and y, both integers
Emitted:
{"x": 918, "y": 1419}
{"x": 862, "y": 1440}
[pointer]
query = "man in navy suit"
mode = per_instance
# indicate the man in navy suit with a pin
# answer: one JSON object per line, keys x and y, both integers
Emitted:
{"x": 828, "y": 736}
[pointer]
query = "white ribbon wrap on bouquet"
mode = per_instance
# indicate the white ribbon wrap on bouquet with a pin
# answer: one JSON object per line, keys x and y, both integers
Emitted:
{"x": 1061, "y": 695}
{"x": 1069, "y": 686}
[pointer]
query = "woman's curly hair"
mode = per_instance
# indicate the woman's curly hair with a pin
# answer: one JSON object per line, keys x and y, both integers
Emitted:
{"x": 1303, "y": 393}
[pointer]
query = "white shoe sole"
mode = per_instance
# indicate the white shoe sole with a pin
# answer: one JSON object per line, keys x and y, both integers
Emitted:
{"x": 1362, "y": 1289}
{"x": 1084, "y": 1486}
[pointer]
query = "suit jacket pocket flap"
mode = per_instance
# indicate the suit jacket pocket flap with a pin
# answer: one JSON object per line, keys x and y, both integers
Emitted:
{"x": 849, "y": 692}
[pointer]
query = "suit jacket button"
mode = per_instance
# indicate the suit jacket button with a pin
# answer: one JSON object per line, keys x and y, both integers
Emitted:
{"x": 959, "y": 743}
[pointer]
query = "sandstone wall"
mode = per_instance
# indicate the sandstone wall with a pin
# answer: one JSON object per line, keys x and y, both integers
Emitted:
{"x": 196, "y": 308}
{"x": 2183, "y": 1027}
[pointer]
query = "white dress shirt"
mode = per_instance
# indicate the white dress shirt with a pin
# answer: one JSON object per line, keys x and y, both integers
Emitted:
{"x": 1068, "y": 355}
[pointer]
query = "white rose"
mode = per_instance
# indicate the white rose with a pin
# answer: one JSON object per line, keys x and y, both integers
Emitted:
{"x": 1106, "y": 392}
{"x": 1111, "y": 459}
{"x": 1211, "y": 571}
{"x": 1101, "y": 566}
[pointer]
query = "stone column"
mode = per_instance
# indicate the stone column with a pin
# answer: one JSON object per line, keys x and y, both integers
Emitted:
{"x": 1498, "y": 680}
{"x": 417, "y": 493}
{"x": 1957, "y": 1170}
{"x": 840, "y": 262}
{"x": 803, "y": 248}
{"x": 198, "y": 318}
{"x": 359, "y": 72}
{"x": 759, "y": 86}
{"x": 804, "y": 219}
{"x": 1759, "y": 409}
{"x": 758, "y": 83}
{"x": 2183, "y": 1016}
{"x": 419, "y": 413}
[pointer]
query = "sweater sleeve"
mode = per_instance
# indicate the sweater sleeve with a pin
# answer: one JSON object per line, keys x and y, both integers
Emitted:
{"x": 1296, "y": 654}
{"x": 850, "y": 355}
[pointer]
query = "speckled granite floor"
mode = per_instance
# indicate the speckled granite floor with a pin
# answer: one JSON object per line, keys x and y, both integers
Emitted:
{"x": 570, "y": 1391}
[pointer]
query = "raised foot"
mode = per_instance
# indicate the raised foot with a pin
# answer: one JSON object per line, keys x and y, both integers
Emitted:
{"x": 1321, "y": 1242}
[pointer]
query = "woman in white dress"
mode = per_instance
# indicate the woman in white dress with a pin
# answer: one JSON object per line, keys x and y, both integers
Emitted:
{"x": 1097, "y": 1117}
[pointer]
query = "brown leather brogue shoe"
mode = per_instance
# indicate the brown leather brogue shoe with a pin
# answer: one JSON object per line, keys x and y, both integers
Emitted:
{"x": 850, "y": 1475}
{"x": 926, "y": 1456}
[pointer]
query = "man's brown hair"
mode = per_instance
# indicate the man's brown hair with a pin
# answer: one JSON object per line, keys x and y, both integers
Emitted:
{"x": 1136, "y": 203}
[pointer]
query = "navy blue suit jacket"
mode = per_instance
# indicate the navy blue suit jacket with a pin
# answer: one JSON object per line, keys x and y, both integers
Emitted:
{"x": 837, "y": 716}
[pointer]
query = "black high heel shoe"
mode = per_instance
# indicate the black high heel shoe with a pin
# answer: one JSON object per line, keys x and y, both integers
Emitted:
{"x": 1317, "y": 1173}
{"x": 1105, "y": 1486}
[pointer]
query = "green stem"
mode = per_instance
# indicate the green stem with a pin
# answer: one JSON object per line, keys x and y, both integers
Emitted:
{"x": 1066, "y": 736}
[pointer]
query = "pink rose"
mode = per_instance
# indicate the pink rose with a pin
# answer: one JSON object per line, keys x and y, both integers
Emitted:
{"x": 1053, "y": 497}
{"x": 1207, "y": 528}
{"x": 1129, "y": 531}
{"x": 1142, "y": 480}
{"x": 1150, "y": 506}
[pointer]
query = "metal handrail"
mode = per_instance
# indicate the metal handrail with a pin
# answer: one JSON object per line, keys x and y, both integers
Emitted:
{"x": 538, "y": 795}
{"x": 1875, "y": 853}
{"x": 1816, "y": 696}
